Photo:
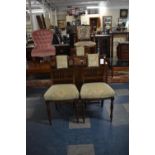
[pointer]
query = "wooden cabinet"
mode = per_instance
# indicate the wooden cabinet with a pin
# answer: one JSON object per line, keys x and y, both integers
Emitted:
{"x": 103, "y": 44}
{"x": 62, "y": 49}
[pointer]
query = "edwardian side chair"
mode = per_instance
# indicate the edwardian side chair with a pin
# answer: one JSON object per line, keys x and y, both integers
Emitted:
{"x": 96, "y": 90}
{"x": 63, "y": 88}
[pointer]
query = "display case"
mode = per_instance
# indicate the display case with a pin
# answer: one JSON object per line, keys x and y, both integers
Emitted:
{"x": 107, "y": 23}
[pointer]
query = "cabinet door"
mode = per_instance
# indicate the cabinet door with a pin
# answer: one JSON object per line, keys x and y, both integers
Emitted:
{"x": 107, "y": 23}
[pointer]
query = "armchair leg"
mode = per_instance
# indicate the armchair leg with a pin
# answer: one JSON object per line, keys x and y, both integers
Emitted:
{"x": 49, "y": 112}
{"x": 111, "y": 109}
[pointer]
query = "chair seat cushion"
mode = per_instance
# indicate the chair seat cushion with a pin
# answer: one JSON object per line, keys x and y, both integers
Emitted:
{"x": 43, "y": 52}
{"x": 60, "y": 92}
{"x": 85, "y": 43}
{"x": 96, "y": 90}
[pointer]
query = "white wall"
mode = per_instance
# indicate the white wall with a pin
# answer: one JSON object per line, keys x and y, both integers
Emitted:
{"x": 103, "y": 12}
{"x": 114, "y": 12}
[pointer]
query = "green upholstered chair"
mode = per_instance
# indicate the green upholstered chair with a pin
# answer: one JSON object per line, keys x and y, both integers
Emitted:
{"x": 63, "y": 88}
{"x": 96, "y": 90}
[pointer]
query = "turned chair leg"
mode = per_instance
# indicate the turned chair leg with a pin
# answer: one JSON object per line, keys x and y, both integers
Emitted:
{"x": 111, "y": 109}
{"x": 49, "y": 112}
{"x": 102, "y": 102}
{"x": 75, "y": 107}
{"x": 83, "y": 110}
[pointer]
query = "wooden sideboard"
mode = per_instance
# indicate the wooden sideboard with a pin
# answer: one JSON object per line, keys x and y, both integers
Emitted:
{"x": 62, "y": 49}
{"x": 102, "y": 44}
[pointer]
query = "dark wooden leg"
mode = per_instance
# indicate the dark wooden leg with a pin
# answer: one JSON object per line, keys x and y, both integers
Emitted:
{"x": 49, "y": 112}
{"x": 56, "y": 106}
{"x": 85, "y": 104}
{"x": 83, "y": 110}
{"x": 76, "y": 110}
{"x": 111, "y": 109}
{"x": 102, "y": 102}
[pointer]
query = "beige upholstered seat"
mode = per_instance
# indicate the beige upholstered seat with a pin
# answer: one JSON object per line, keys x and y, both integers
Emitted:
{"x": 85, "y": 43}
{"x": 62, "y": 92}
{"x": 96, "y": 90}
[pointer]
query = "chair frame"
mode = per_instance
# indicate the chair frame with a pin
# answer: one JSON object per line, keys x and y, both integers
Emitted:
{"x": 86, "y": 76}
{"x": 60, "y": 77}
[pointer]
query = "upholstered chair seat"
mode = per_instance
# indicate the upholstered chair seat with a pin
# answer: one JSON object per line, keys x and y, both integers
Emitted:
{"x": 43, "y": 52}
{"x": 96, "y": 90}
{"x": 85, "y": 43}
{"x": 62, "y": 92}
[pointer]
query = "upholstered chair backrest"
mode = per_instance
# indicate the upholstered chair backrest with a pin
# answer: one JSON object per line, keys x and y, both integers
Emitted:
{"x": 93, "y": 60}
{"x": 61, "y": 61}
{"x": 83, "y": 32}
{"x": 42, "y": 38}
{"x": 80, "y": 51}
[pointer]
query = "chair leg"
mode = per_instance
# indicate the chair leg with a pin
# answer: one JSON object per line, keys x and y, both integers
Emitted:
{"x": 85, "y": 104}
{"x": 102, "y": 102}
{"x": 49, "y": 112}
{"x": 83, "y": 109}
{"x": 56, "y": 106}
{"x": 75, "y": 109}
{"x": 111, "y": 109}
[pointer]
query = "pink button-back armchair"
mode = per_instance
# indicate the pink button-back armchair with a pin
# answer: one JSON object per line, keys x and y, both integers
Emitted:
{"x": 43, "y": 43}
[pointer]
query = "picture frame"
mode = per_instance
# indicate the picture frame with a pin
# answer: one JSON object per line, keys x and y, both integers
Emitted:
{"x": 123, "y": 13}
{"x": 61, "y": 24}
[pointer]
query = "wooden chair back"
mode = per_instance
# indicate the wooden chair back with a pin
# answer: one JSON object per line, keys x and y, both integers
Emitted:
{"x": 96, "y": 73}
{"x": 62, "y": 75}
